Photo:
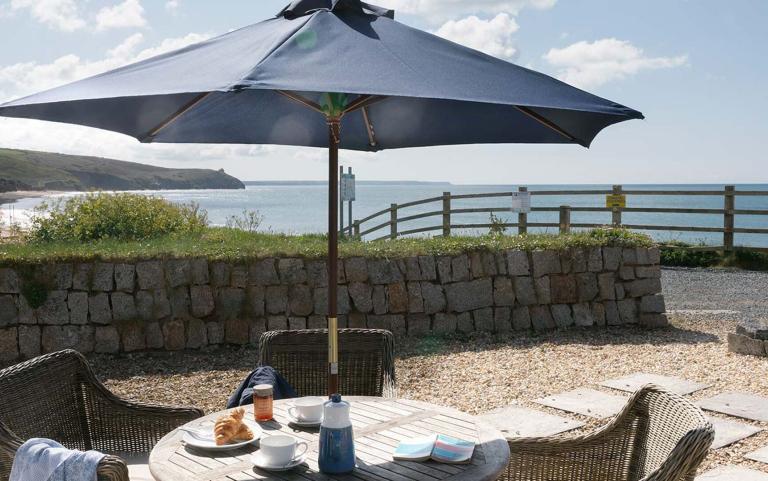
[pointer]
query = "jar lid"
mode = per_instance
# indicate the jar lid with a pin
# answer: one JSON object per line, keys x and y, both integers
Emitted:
{"x": 262, "y": 389}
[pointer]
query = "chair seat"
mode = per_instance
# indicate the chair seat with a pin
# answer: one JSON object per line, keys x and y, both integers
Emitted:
{"x": 138, "y": 466}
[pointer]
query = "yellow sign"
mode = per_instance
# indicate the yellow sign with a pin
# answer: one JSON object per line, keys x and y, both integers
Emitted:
{"x": 615, "y": 200}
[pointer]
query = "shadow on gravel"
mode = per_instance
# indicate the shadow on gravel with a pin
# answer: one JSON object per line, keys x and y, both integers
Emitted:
{"x": 230, "y": 359}
{"x": 588, "y": 337}
{"x": 125, "y": 366}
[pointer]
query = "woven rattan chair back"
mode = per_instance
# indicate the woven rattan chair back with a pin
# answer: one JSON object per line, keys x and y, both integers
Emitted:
{"x": 671, "y": 436}
{"x": 45, "y": 398}
{"x": 658, "y": 436}
{"x": 366, "y": 360}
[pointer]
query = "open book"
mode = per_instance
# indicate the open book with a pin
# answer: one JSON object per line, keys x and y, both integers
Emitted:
{"x": 437, "y": 447}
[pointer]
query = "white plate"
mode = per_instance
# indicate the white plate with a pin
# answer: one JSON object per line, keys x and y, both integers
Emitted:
{"x": 305, "y": 424}
{"x": 257, "y": 460}
{"x": 207, "y": 441}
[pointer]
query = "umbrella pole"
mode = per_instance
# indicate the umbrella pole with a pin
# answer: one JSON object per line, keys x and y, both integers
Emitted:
{"x": 333, "y": 254}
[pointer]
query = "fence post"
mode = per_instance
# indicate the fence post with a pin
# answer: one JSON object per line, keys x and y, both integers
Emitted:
{"x": 357, "y": 229}
{"x": 446, "y": 214}
{"x": 616, "y": 215}
{"x": 341, "y": 204}
{"x": 393, "y": 221}
{"x": 522, "y": 217}
{"x": 565, "y": 219}
{"x": 728, "y": 217}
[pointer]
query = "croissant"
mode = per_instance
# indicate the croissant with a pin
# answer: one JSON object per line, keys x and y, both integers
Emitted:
{"x": 230, "y": 428}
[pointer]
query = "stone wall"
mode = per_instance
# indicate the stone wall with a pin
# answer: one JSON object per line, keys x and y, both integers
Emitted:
{"x": 179, "y": 304}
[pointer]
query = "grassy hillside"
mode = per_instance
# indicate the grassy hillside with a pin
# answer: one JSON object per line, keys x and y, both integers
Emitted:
{"x": 48, "y": 171}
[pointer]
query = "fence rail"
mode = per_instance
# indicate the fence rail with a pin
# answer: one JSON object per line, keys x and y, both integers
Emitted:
{"x": 393, "y": 227}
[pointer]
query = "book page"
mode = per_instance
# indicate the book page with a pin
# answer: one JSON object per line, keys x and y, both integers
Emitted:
{"x": 452, "y": 450}
{"x": 417, "y": 449}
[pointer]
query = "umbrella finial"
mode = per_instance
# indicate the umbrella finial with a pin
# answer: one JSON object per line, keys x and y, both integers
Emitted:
{"x": 299, "y": 8}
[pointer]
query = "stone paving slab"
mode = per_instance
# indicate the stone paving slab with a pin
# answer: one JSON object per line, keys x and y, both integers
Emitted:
{"x": 728, "y": 432}
{"x": 761, "y": 455}
{"x": 741, "y": 405}
{"x": 515, "y": 421}
{"x": 587, "y": 402}
{"x": 732, "y": 473}
{"x": 635, "y": 381}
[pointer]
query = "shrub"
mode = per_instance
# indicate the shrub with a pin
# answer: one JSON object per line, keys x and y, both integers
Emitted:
{"x": 248, "y": 220}
{"x": 497, "y": 225}
{"x": 114, "y": 216}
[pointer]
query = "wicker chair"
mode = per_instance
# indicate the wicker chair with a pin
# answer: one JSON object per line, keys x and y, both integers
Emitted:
{"x": 658, "y": 436}
{"x": 57, "y": 396}
{"x": 366, "y": 360}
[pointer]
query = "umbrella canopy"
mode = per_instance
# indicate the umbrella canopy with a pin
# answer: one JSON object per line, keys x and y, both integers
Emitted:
{"x": 328, "y": 73}
{"x": 226, "y": 90}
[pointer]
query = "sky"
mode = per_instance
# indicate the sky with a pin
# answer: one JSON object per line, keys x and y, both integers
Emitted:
{"x": 697, "y": 69}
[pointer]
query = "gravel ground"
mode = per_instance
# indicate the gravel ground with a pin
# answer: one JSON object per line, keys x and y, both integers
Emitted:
{"x": 717, "y": 289}
{"x": 481, "y": 374}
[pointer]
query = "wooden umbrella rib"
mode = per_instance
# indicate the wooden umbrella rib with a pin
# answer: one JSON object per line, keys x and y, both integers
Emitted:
{"x": 303, "y": 101}
{"x": 173, "y": 117}
{"x": 546, "y": 122}
{"x": 364, "y": 101}
{"x": 369, "y": 128}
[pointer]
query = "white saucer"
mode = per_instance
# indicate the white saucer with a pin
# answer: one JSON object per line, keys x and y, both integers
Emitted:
{"x": 305, "y": 424}
{"x": 203, "y": 438}
{"x": 257, "y": 460}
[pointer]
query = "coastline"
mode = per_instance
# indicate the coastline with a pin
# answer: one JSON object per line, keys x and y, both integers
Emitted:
{"x": 13, "y": 196}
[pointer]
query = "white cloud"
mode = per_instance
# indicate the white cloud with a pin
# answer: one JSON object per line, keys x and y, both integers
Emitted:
{"x": 439, "y": 10}
{"x": 172, "y": 5}
{"x": 128, "y": 14}
{"x": 25, "y": 78}
{"x": 58, "y": 14}
{"x": 493, "y": 36}
{"x": 592, "y": 64}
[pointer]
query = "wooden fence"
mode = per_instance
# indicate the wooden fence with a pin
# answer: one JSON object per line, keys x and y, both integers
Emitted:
{"x": 391, "y": 228}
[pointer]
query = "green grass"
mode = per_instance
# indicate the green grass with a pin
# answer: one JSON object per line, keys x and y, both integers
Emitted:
{"x": 231, "y": 244}
{"x": 678, "y": 254}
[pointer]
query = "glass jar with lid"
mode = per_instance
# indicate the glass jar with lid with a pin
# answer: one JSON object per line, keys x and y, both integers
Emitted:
{"x": 262, "y": 402}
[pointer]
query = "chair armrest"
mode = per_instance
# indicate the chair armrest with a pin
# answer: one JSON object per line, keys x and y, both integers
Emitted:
{"x": 112, "y": 468}
{"x": 584, "y": 458}
{"x": 120, "y": 425}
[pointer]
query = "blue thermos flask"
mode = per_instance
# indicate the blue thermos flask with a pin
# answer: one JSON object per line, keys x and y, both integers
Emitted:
{"x": 337, "y": 445}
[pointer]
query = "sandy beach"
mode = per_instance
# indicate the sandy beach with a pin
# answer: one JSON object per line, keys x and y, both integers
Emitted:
{"x": 11, "y": 197}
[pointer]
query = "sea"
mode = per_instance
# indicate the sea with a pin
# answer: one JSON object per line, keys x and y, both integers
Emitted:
{"x": 296, "y": 207}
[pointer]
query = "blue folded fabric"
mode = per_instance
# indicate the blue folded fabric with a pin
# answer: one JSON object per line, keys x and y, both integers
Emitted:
{"x": 46, "y": 460}
{"x": 261, "y": 375}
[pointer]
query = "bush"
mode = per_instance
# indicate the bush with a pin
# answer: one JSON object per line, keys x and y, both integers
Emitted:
{"x": 248, "y": 220}
{"x": 114, "y": 216}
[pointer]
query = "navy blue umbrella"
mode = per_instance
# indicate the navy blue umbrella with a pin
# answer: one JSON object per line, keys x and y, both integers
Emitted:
{"x": 329, "y": 73}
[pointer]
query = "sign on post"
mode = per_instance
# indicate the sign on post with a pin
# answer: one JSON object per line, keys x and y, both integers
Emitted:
{"x": 347, "y": 187}
{"x": 615, "y": 200}
{"x": 521, "y": 202}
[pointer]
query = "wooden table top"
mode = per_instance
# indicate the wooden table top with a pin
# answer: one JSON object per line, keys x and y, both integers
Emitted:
{"x": 378, "y": 423}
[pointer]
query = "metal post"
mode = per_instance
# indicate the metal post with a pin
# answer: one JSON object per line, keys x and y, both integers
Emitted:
{"x": 616, "y": 211}
{"x": 357, "y": 229}
{"x": 565, "y": 219}
{"x": 341, "y": 205}
{"x": 349, "y": 171}
{"x": 522, "y": 217}
{"x": 446, "y": 214}
{"x": 728, "y": 217}
{"x": 333, "y": 247}
{"x": 393, "y": 221}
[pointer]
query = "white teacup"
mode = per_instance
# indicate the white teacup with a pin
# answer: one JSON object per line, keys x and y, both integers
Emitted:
{"x": 307, "y": 409}
{"x": 280, "y": 450}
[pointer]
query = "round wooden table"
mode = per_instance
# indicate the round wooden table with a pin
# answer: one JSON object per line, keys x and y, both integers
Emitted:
{"x": 379, "y": 424}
